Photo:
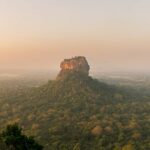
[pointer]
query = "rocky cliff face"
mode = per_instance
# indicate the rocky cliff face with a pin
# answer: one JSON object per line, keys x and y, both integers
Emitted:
{"x": 75, "y": 64}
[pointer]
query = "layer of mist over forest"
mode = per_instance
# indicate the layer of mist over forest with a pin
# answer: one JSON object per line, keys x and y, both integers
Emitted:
{"x": 109, "y": 113}
{"x": 35, "y": 78}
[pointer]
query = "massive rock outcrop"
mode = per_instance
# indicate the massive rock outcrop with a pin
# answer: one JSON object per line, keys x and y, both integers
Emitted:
{"x": 76, "y": 64}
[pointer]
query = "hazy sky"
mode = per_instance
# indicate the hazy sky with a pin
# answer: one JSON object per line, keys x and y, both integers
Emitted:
{"x": 38, "y": 34}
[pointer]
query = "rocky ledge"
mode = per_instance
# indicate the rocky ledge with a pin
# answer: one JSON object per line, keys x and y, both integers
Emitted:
{"x": 75, "y": 64}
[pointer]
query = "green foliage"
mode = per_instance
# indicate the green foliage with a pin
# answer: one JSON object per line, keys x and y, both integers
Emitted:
{"x": 63, "y": 115}
{"x": 14, "y": 139}
{"x": 128, "y": 147}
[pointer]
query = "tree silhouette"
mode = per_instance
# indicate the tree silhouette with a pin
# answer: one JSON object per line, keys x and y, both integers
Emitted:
{"x": 14, "y": 139}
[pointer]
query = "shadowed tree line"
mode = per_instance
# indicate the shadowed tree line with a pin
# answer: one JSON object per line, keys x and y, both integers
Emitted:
{"x": 12, "y": 138}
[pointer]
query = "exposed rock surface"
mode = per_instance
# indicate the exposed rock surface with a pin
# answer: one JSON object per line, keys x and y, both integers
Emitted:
{"x": 75, "y": 64}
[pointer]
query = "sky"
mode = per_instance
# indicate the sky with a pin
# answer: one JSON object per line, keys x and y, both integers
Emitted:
{"x": 114, "y": 35}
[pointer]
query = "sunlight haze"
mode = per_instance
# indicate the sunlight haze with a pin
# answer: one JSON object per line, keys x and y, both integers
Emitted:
{"x": 113, "y": 35}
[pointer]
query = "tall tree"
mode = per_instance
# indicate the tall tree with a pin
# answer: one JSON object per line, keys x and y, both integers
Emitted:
{"x": 14, "y": 139}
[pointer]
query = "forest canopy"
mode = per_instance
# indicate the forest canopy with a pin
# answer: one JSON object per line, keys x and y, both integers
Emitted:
{"x": 80, "y": 113}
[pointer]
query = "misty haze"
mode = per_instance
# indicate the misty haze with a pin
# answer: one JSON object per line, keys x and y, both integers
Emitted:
{"x": 74, "y": 75}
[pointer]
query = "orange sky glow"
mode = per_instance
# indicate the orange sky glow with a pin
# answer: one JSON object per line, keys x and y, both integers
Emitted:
{"x": 113, "y": 35}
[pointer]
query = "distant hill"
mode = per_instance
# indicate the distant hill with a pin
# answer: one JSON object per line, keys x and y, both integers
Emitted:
{"x": 77, "y": 112}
